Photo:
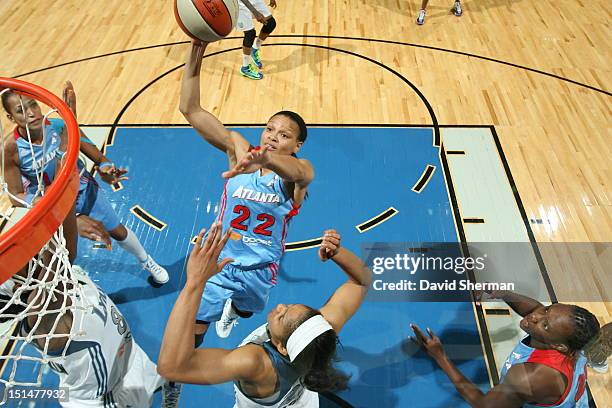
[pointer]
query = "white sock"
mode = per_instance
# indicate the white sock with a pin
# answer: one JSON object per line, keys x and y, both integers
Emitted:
{"x": 257, "y": 43}
{"x": 246, "y": 60}
{"x": 133, "y": 246}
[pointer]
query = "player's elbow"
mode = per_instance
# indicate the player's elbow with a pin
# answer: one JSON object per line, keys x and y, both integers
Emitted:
{"x": 186, "y": 110}
{"x": 167, "y": 369}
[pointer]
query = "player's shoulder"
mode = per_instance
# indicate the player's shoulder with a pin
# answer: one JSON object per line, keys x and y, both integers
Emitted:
{"x": 249, "y": 360}
{"x": 535, "y": 381}
{"x": 10, "y": 144}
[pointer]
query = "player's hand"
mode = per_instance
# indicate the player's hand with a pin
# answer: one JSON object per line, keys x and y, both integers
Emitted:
{"x": 202, "y": 263}
{"x": 483, "y": 295}
{"x": 430, "y": 343}
{"x": 251, "y": 162}
{"x": 69, "y": 97}
{"x": 273, "y": 4}
{"x": 330, "y": 245}
{"x": 93, "y": 230}
{"x": 111, "y": 174}
{"x": 259, "y": 17}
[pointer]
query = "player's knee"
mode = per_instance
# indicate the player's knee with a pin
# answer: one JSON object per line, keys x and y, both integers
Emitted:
{"x": 120, "y": 233}
{"x": 269, "y": 26}
{"x": 199, "y": 339}
{"x": 249, "y": 38}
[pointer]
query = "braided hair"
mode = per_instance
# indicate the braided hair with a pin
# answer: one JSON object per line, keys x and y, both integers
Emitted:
{"x": 586, "y": 328}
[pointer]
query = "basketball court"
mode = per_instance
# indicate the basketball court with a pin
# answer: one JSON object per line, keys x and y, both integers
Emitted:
{"x": 443, "y": 133}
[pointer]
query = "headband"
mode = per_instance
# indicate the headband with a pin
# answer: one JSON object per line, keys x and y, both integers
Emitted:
{"x": 305, "y": 334}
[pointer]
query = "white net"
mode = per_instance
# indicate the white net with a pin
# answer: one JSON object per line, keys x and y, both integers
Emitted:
{"x": 42, "y": 306}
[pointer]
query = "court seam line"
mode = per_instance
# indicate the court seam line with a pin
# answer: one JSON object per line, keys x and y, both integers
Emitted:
{"x": 329, "y": 37}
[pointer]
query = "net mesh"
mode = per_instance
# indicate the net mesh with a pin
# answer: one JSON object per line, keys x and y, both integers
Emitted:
{"x": 39, "y": 305}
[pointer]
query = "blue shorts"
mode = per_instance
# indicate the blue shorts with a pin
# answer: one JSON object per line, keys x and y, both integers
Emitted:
{"x": 248, "y": 289}
{"x": 95, "y": 204}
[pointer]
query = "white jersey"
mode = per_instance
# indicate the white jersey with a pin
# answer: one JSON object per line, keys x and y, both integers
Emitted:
{"x": 103, "y": 366}
{"x": 297, "y": 396}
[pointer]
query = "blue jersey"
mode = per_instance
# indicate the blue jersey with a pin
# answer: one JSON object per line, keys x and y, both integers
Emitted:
{"x": 574, "y": 371}
{"x": 45, "y": 158}
{"x": 258, "y": 208}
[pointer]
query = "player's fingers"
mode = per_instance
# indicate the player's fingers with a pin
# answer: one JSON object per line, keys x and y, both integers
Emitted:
{"x": 229, "y": 174}
{"x": 224, "y": 239}
{"x": 198, "y": 240}
{"x": 332, "y": 240}
{"x": 431, "y": 333}
{"x": 419, "y": 334}
{"x": 210, "y": 238}
{"x": 225, "y": 262}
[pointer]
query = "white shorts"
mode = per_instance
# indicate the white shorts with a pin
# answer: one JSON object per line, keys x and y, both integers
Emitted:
{"x": 245, "y": 17}
{"x": 135, "y": 391}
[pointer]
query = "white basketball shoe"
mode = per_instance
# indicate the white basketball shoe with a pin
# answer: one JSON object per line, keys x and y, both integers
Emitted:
{"x": 228, "y": 320}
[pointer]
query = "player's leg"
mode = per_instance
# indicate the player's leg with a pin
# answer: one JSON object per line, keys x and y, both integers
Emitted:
{"x": 141, "y": 381}
{"x": 457, "y": 9}
{"x": 103, "y": 212}
{"x": 421, "y": 17}
{"x": 251, "y": 299}
{"x": 245, "y": 24}
{"x": 265, "y": 31}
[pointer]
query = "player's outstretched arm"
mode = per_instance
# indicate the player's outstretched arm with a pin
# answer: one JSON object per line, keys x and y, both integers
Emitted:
{"x": 205, "y": 123}
{"x": 522, "y": 384}
{"x": 345, "y": 301}
{"x": 107, "y": 170}
{"x": 289, "y": 168}
{"x": 178, "y": 359}
{"x": 521, "y": 304}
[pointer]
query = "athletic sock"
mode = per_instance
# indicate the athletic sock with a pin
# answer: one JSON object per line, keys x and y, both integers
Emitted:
{"x": 246, "y": 60}
{"x": 244, "y": 315}
{"x": 257, "y": 43}
{"x": 133, "y": 246}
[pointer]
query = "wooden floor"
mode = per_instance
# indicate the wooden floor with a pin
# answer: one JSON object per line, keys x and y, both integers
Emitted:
{"x": 555, "y": 133}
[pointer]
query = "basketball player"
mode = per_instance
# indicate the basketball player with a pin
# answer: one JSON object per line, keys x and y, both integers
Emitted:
{"x": 545, "y": 368}
{"x": 251, "y": 44}
{"x": 457, "y": 10}
{"x": 101, "y": 366}
{"x": 21, "y": 174}
{"x": 265, "y": 189}
{"x": 283, "y": 363}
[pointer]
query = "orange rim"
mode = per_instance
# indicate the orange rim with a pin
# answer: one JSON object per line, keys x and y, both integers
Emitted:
{"x": 25, "y": 239}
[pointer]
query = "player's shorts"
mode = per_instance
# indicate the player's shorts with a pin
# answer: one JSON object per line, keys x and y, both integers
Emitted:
{"x": 97, "y": 206}
{"x": 245, "y": 17}
{"x": 248, "y": 289}
{"x": 136, "y": 390}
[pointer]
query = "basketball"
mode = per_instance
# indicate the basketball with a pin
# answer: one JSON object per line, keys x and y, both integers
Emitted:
{"x": 206, "y": 20}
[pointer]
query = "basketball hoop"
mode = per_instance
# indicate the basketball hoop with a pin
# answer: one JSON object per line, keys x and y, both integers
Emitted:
{"x": 25, "y": 238}
{"x": 32, "y": 304}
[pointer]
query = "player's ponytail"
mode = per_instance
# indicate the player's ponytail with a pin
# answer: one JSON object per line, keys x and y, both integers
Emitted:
{"x": 598, "y": 351}
{"x": 315, "y": 361}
